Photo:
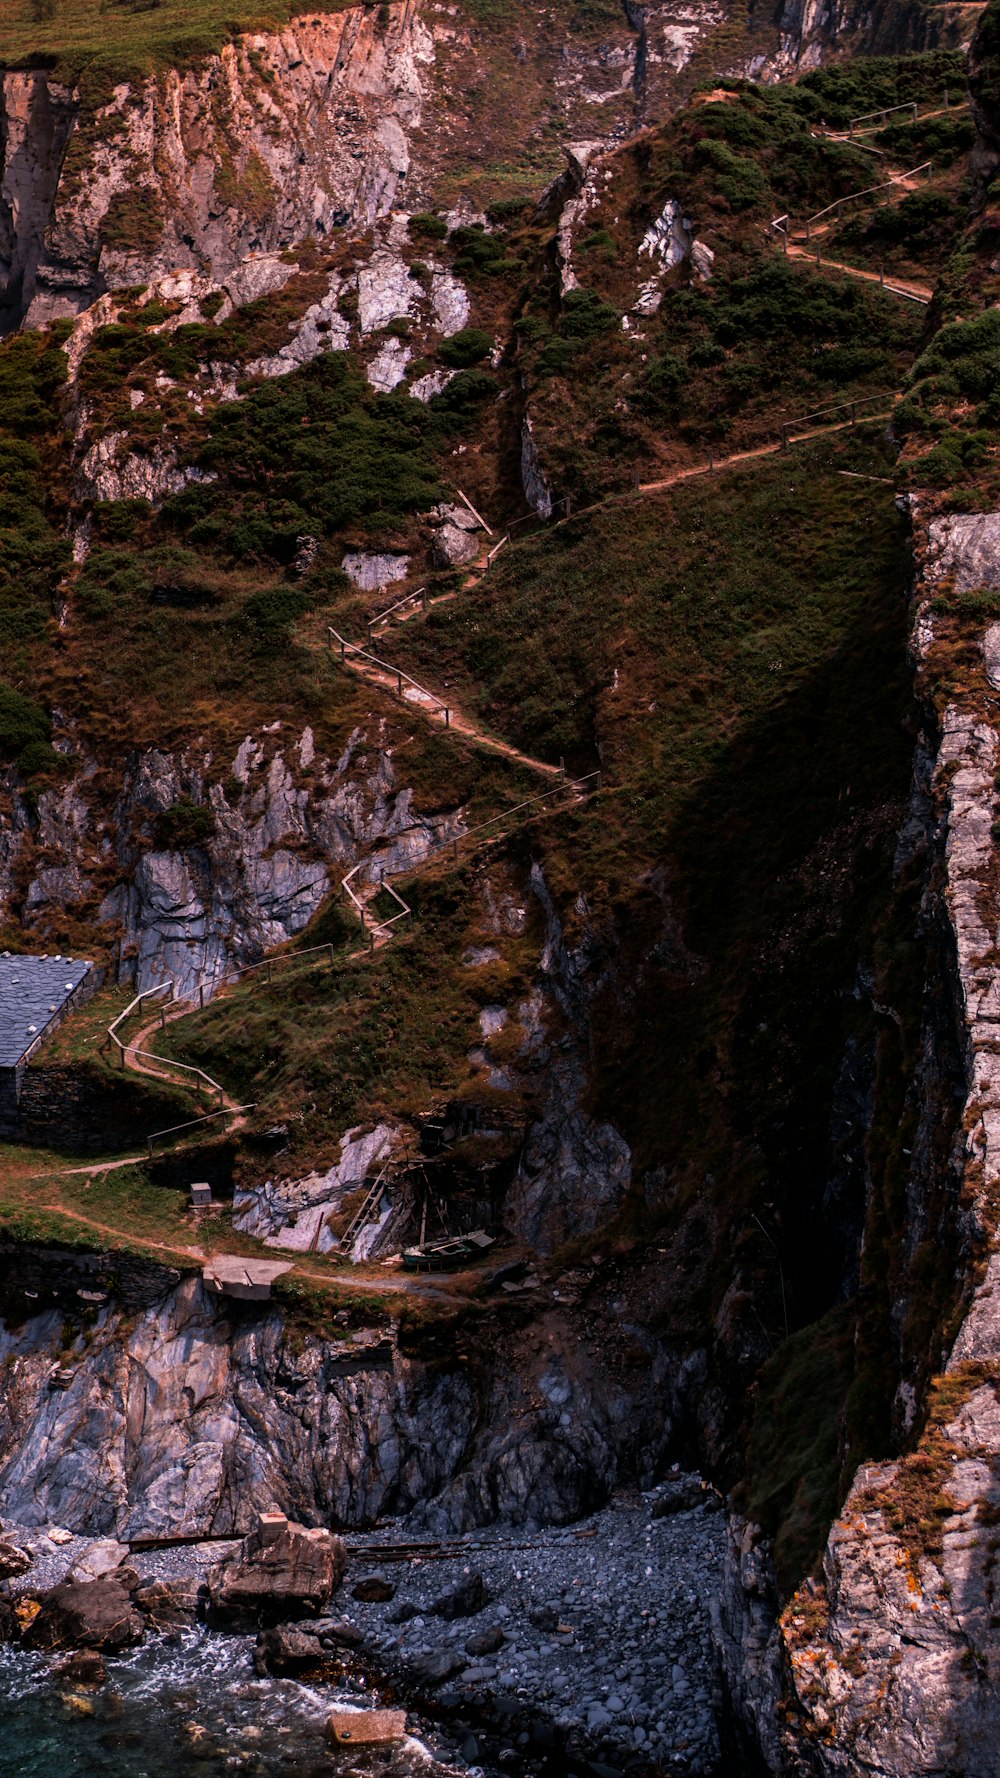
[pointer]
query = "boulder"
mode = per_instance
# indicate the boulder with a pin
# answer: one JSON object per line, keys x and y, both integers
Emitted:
{"x": 86, "y": 1667}
{"x": 436, "y": 1667}
{"x": 291, "y": 1577}
{"x": 99, "y": 1560}
{"x": 86, "y": 1614}
{"x": 679, "y": 1497}
{"x": 464, "y": 1600}
{"x": 374, "y": 1589}
{"x": 167, "y": 1603}
{"x": 10, "y": 1629}
{"x": 287, "y": 1648}
{"x": 339, "y": 1633}
{"x": 13, "y": 1560}
{"x": 485, "y": 1642}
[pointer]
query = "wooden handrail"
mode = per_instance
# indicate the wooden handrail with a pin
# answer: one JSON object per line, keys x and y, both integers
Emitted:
{"x": 388, "y": 667}
{"x": 206, "y": 1118}
{"x": 407, "y": 599}
{"x": 869, "y": 191}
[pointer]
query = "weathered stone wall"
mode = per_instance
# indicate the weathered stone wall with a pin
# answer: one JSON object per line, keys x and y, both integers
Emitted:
{"x": 78, "y": 1111}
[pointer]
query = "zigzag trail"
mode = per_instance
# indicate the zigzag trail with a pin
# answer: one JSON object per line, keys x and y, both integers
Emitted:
{"x": 901, "y": 286}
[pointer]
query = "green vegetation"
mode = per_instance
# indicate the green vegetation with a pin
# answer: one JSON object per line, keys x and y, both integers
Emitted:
{"x": 794, "y": 1458}
{"x": 104, "y": 42}
{"x": 34, "y": 552}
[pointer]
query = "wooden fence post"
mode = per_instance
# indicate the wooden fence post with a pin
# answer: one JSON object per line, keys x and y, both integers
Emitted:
{"x": 201, "y": 995}
{"x": 447, "y": 717}
{"x": 399, "y": 685}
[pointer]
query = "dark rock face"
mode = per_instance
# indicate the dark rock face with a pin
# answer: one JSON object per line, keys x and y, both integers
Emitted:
{"x": 268, "y": 1583}
{"x": 374, "y": 1589}
{"x": 287, "y": 1648}
{"x": 86, "y": 1668}
{"x": 470, "y": 1596}
{"x": 94, "y": 1614}
{"x": 168, "y": 1602}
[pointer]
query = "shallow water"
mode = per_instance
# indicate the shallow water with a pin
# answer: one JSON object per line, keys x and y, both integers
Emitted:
{"x": 188, "y": 1708}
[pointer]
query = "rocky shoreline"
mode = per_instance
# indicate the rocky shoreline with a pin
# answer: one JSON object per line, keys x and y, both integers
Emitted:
{"x": 587, "y": 1647}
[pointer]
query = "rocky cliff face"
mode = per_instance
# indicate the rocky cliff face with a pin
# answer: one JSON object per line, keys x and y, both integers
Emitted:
{"x": 188, "y": 1414}
{"x": 333, "y": 122}
{"x": 281, "y": 824}
{"x": 889, "y": 1663}
{"x": 893, "y": 1659}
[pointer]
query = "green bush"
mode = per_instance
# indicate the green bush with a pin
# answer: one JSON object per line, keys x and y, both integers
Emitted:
{"x": 183, "y": 826}
{"x": 427, "y": 227}
{"x": 312, "y": 453}
{"x": 586, "y": 315}
{"x": 24, "y": 725}
{"x": 465, "y": 348}
{"x": 556, "y": 357}
{"x": 739, "y": 181}
{"x": 478, "y": 254}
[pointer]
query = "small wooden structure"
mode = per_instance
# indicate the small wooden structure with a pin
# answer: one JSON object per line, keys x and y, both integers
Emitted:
{"x": 366, "y": 1728}
{"x": 229, "y": 1274}
{"x": 270, "y": 1526}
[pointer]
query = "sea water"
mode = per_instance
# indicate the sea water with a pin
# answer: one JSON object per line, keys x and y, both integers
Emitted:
{"x": 190, "y": 1706}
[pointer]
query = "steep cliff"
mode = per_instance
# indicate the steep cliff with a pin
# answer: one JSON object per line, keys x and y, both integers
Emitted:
{"x": 187, "y": 1414}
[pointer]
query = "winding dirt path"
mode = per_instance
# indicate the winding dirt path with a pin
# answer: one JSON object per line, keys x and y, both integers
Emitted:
{"x": 895, "y": 286}
{"x": 432, "y": 706}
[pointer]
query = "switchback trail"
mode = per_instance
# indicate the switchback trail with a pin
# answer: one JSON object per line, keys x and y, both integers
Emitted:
{"x": 433, "y": 707}
{"x": 895, "y": 286}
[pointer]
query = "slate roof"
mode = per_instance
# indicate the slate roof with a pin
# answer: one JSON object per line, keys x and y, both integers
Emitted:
{"x": 33, "y": 990}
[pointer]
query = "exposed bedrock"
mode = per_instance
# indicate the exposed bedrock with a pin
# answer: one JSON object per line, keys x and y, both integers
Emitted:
{"x": 279, "y": 826}
{"x": 191, "y": 1415}
{"x": 890, "y": 1662}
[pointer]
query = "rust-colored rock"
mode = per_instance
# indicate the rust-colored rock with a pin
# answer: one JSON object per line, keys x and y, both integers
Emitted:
{"x": 366, "y": 1728}
{"x": 291, "y": 1577}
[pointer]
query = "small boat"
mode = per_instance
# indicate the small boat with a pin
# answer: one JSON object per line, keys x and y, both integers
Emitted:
{"x": 448, "y": 1255}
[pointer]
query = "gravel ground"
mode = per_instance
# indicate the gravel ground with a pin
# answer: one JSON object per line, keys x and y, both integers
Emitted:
{"x": 604, "y": 1626}
{"x": 594, "y": 1635}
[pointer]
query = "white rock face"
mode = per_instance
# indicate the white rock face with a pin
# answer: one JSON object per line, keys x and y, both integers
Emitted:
{"x": 293, "y": 1213}
{"x": 274, "y": 850}
{"x": 386, "y": 292}
{"x": 883, "y": 1681}
{"x": 369, "y": 570}
{"x": 186, "y": 1417}
{"x": 322, "y": 329}
{"x": 388, "y": 367}
{"x": 223, "y": 140}
{"x": 109, "y": 470}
